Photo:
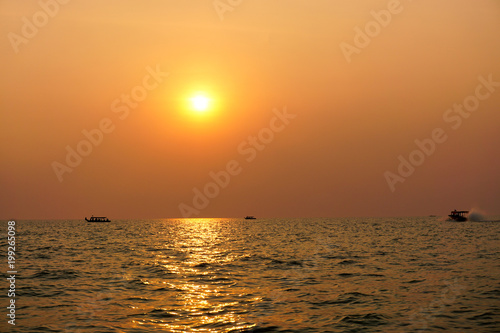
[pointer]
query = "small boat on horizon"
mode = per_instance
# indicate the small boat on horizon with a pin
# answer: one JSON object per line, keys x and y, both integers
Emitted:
{"x": 250, "y": 217}
{"x": 97, "y": 219}
{"x": 458, "y": 215}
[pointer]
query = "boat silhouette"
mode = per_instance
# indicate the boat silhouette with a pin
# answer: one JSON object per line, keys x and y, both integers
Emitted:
{"x": 458, "y": 215}
{"x": 97, "y": 219}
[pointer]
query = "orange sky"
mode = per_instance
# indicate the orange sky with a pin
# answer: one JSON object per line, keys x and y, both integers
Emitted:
{"x": 66, "y": 68}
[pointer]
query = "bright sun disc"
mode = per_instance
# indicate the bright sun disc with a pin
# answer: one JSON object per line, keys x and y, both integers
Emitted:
{"x": 200, "y": 103}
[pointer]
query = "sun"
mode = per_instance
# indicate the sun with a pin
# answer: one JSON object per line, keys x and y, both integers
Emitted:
{"x": 200, "y": 102}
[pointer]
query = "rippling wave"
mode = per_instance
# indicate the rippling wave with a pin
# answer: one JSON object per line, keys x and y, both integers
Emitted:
{"x": 268, "y": 275}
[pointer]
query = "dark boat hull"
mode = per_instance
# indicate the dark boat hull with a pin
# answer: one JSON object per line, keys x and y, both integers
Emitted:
{"x": 457, "y": 218}
{"x": 90, "y": 221}
{"x": 458, "y": 215}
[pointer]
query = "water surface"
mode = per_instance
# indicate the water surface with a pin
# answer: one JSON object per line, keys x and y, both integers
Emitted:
{"x": 265, "y": 275}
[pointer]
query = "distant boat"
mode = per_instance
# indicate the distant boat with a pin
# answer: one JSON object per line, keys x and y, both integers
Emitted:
{"x": 249, "y": 217}
{"x": 459, "y": 215}
{"x": 97, "y": 219}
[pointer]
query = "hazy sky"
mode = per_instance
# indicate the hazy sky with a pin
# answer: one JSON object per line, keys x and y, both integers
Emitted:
{"x": 317, "y": 108}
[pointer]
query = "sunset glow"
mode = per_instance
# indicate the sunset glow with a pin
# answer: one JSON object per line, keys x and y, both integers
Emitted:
{"x": 341, "y": 108}
{"x": 250, "y": 166}
{"x": 200, "y": 102}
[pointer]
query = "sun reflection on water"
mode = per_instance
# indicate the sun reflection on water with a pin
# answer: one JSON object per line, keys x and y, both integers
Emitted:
{"x": 206, "y": 296}
{"x": 206, "y": 275}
